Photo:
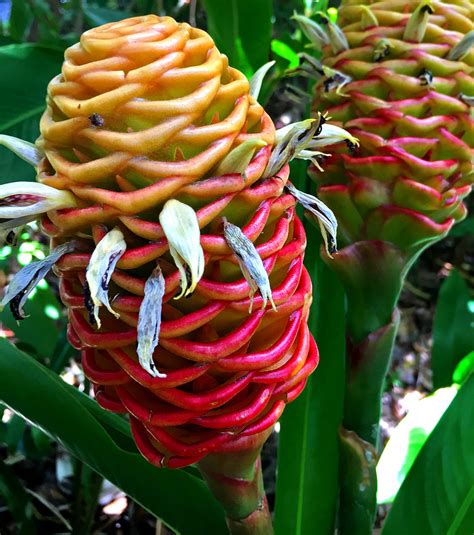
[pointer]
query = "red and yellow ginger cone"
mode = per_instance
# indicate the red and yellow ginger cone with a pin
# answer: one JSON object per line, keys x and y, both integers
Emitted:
{"x": 145, "y": 110}
{"x": 155, "y": 169}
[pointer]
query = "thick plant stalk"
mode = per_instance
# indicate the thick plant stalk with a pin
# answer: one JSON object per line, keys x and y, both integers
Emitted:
{"x": 399, "y": 76}
{"x": 235, "y": 478}
{"x": 372, "y": 324}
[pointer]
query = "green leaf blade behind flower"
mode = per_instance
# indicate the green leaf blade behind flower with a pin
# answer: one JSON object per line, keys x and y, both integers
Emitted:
{"x": 437, "y": 497}
{"x": 453, "y": 328}
{"x": 241, "y": 29}
{"x": 22, "y": 100}
{"x": 407, "y": 440}
{"x": 98, "y": 439}
{"x": 308, "y": 457}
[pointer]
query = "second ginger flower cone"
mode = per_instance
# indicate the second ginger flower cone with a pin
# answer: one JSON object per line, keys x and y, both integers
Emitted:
{"x": 399, "y": 76}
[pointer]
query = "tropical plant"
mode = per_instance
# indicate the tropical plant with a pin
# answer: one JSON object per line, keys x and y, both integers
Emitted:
{"x": 164, "y": 189}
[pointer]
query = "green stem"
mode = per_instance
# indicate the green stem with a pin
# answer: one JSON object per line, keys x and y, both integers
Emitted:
{"x": 367, "y": 366}
{"x": 372, "y": 273}
{"x": 235, "y": 479}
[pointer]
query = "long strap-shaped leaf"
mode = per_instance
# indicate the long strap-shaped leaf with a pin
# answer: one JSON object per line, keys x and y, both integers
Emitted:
{"x": 437, "y": 497}
{"x": 177, "y": 497}
{"x": 308, "y": 457}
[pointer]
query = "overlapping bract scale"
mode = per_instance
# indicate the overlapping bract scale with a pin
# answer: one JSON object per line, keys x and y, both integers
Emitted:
{"x": 145, "y": 110}
{"x": 406, "y": 104}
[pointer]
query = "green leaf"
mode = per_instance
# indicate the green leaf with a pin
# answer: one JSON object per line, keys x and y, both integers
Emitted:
{"x": 242, "y": 30}
{"x": 284, "y": 51}
{"x": 25, "y": 71}
{"x": 178, "y": 498}
{"x": 63, "y": 353}
{"x": 453, "y": 328}
{"x": 38, "y": 332}
{"x": 96, "y": 16}
{"x": 308, "y": 458}
{"x": 21, "y": 18}
{"x": 465, "y": 228}
{"x": 407, "y": 440}
{"x": 437, "y": 497}
{"x": 17, "y": 500}
{"x": 14, "y": 433}
{"x": 464, "y": 369}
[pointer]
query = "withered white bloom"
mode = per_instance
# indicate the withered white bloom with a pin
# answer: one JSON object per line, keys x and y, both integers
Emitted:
{"x": 416, "y": 25}
{"x": 149, "y": 321}
{"x": 258, "y": 77}
{"x": 315, "y": 156}
{"x": 24, "y": 282}
{"x": 100, "y": 269}
{"x": 20, "y": 199}
{"x": 462, "y": 48}
{"x": 325, "y": 217}
{"x": 336, "y": 36}
{"x": 11, "y": 228}
{"x": 250, "y": 263}
{"x": 181, "y": 227}
{"x": 25, "y": 150}
{"x": 313, "y": 31}
{"x": 238, "y": 159}
{"x": 382, "y": 50}
{"x": 335, "y": 80}
{"x": 331, "y": 134}
{"x": 290, "y": 140}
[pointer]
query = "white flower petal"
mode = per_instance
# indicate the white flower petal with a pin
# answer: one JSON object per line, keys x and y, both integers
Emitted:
{"x": 100, "y": 269}
{"x": 325, "y": 217}
{"x": 181, "y": 228}
{"x": 149, "y": 321}
{"x": 330, "y": 135}
{"x": 291, "y": 140}
{"x": 20, "y": 199}
{"x": 25, "y": 150}
{"x": 250, "y": 263}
